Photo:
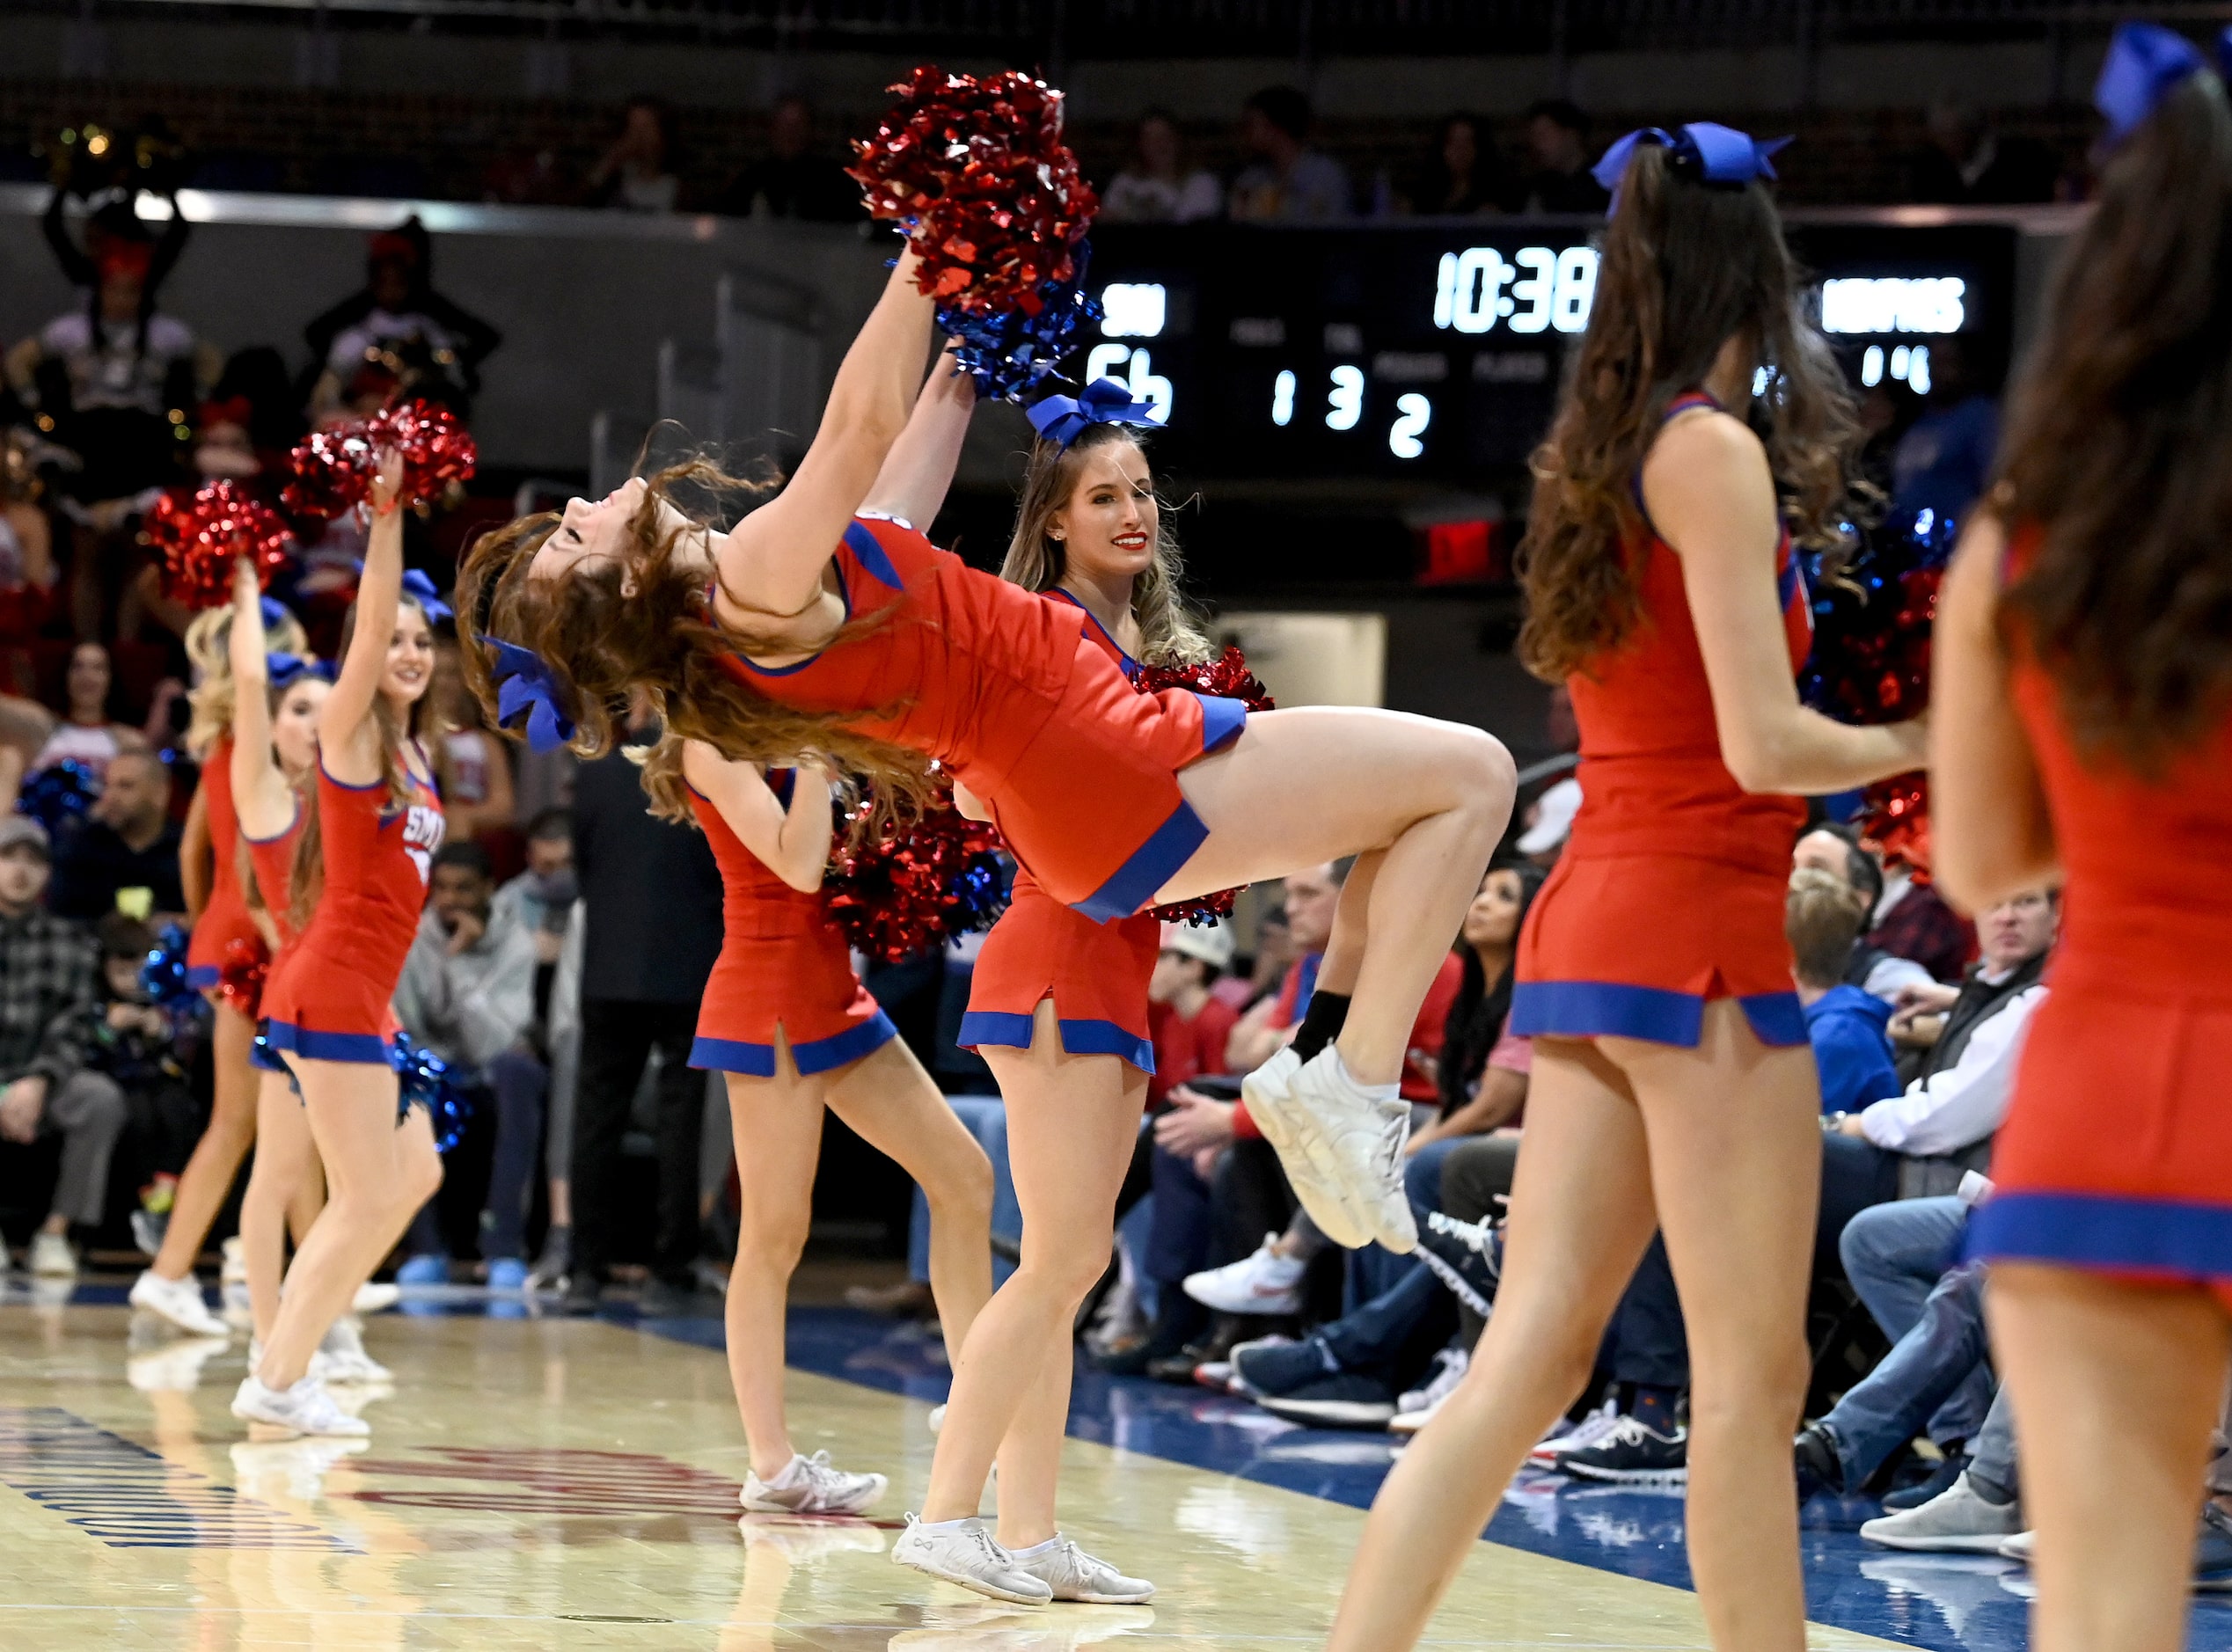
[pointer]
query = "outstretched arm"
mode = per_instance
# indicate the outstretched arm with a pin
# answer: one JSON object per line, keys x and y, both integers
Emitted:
{"x": 791, "y": 843}
{"x": 262, "y": 797}
{"x": 347, "y": 738}
{"x": 771, "y": 562}
{"x": 1707, "y": 486}
{"x": 912, "y": 483}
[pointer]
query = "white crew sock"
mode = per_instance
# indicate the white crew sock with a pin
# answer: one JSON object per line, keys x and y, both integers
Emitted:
{"x": 1038, "y": 1549}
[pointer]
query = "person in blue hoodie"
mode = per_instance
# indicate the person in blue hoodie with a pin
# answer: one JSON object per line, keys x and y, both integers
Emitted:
{"x": 1821, "y": 917}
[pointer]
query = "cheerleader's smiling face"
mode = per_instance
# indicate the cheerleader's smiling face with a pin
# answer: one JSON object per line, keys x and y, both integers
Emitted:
{"x": 1108, "y": 527}
{"x": 294, "y": 725}
{"x": 410, "y": 656}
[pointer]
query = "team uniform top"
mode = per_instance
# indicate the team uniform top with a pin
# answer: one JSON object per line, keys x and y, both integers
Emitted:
{"x": 2117, "y": 1153}
{"x": 1005, "y": 688}
{"x": 331, "y": 1003}
{"x": 783, "y": 966}
{"x": 225, "y": 918}
{"x": 1094, "y": 970}
{"x": 1671, "y": 889}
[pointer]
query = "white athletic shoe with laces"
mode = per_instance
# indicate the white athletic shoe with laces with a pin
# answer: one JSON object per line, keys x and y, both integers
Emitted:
{"x": 1265, "y": 1282}
{"x": 345, "y": 1360}
{"x": 179, "y": 1301}
{"x": 1073, "y": 1575}
{"x": 812, "y": 1485}
{"x": 1270, "y": 1094}
{"x": 962, "y": 1552}
{"x": 1591, "y": 1431}
{"x": 374, "y": 1298}
{"x": 1415, "y": 1409}
{"x": 305, "y": 1408}
{"x": 1357, "y": 1142}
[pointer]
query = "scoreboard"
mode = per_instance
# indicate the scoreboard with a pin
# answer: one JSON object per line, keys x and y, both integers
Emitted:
{"x": 1435, "y": 352}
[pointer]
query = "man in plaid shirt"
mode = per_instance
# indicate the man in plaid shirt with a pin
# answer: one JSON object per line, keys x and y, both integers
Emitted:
{"x": 47, "y": 980}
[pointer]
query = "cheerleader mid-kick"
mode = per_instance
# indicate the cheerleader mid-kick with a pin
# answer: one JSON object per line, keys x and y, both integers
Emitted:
{"x": 372, "y": 825}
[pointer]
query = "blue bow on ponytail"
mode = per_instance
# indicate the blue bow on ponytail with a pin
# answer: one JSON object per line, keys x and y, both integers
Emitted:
{"x": 2146, "y": 63}
{"x": 524, "y": 684}
{"x": 1721, "y": 153}
{"x": 421, "y": 589}
{"x": 276, "y": 613}
{"x": 286, "y": 667}
{"x": 1062, "y": 419}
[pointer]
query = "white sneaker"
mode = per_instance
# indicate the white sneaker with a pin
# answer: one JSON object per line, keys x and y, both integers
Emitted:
{"x": 179, "y": 1301}
{"x": 1073, "y": 1575}
{"x": 293, "y": 1470}
{"x": 1356, "y": 1143}
{"x": 1270, "y": 1094}
{"x": 234, "y": 1268}
{"x": 1449, "y": 1369}
{"x": 53, "y": 1257}
{"x": 1591, "y": 1431}
{"x": 2022, "y": 1547}
{"x": 811, "y": 1485}
{"x": 374, "y": 1298}
{"x": 345, "y": 1360}
{"x": 936, "y": 1419}
{"x": 320, "y": 1369}
{"x": 305, "y": 1408}
{"x": 1263, "y": 1283}
{"x": 962, "y": 1552}
{"x": 1957, "y": 1521}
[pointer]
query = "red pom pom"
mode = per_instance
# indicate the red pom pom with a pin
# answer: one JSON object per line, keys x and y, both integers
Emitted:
{"x": 897, "y": 895}
{"x": 201, "y": 534}
{"x": 240, "y": 977}
{"x": 991, "y": 196}
{"x": 1225, "y": 677}
{"x": 333, "y": 468}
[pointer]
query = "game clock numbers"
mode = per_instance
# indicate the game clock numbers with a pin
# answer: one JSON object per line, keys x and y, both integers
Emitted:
{"x": 1436, "y": 351}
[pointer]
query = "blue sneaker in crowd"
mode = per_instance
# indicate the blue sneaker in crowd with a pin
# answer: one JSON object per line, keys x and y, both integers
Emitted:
{"x": 508, "y": 1273}
{"x": 1266, "y": 1369}
{"x": 424, "y": 1270}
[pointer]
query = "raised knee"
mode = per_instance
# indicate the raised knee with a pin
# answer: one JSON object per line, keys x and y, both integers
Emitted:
{"x": 1492, "y": 777}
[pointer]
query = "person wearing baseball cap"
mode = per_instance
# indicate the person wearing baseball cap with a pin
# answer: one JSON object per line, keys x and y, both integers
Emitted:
{"x": 1189, "y": 1025}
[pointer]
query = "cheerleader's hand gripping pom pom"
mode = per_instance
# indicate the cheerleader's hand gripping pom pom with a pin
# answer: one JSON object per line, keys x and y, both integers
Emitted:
{"x": 900, "y": 894}
{"x": 333, "y": 468}
{"x": 524, "y": 684}
{"x": 977, "y": 174}
{"x": 202, "y": 537}
{"x": 1225, "y": 677}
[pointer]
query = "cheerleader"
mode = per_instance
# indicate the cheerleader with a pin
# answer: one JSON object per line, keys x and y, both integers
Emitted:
{"x": 2082, "y": 729}
{"x": 1058, "y": 1008}
{"x": 1674, "y": 1087}
{"x": 810, "y": 628}
{"x": 358, "y": 883}
{"x": 209, "y": 868}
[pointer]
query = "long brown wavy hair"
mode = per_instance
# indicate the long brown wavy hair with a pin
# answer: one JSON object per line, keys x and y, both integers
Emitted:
{"x": 2119, "y": 447}
{"x": 1686, "y": 266}
{"x": 662, "y": 641}
{"x": 1170, "y": 633}
{"x": 422, "y": 721}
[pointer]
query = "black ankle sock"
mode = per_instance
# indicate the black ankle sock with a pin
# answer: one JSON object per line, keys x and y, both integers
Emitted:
{"x": 1321, "y": 1023}
{"x": 1654, "y": 1407}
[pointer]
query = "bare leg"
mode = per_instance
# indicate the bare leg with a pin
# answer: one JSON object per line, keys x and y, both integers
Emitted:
{"x": 1071, "y": 1120}
{"x": 209, "y": 1174}
{"x": 1304, "y": 787}
{"x": 1352, "y": 927}
{"x": 309, "y": 1197}
{"x": 286, "y": 1163}
{"x": 2115, "y": 1388}
{"x": 1581, "y": 1216}
{"x": 890, "y": 1103}
{"x": 380, "y": 1173}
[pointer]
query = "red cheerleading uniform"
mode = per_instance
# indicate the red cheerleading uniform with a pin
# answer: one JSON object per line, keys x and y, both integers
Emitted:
{"x": 2117, "y": 1153}
{"x": 1078, "y": 769}
{"x": 225, "y": 918}
{"x": 1094, "y": 970}
{"x": 331, "y": 1002}
{"x": 783, "y": 967}
{"x": 1671, "y": 889}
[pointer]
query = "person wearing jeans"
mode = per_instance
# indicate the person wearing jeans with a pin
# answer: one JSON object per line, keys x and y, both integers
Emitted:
{"x": 1901, "y": 1259}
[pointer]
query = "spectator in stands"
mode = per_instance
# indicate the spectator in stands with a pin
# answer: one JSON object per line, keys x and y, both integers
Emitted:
{"x": 1943, "y": 462}
{"x": 148, "y": 1052}
{"x": 1311, "y": 898}
{"x": 1836, "y": 849}
{"x": 1913, "y": 921}
{"x": 48, "y": 967}
{"x": 1157, "y": 185}
{"x": 1287, "y": 181}
{"x": 1844, "y": 1023}
{"x": 1481, "y": 1075}
{"x": 468, "y": 994}
{"x": 1190, "y": 1027}
{"x": 542, "y": 896}
{"x": 1967, "y": 162}
{"x": 397, "y": 313}
{"x": 88, "y": 733}
{"x": 1267, "y": 965}
{"x": 651, "y": 901}
{"x": 471, "y": 763}
{"x": 541, "y": 900}
{"x": 793, "y": 180}
{"x": 27, "y": 571}
{"x": 123, "y": 855}
{"x": 1557, "y": 151}
{"x": 637, "y": 173}
{"x": 1459, "y": 176}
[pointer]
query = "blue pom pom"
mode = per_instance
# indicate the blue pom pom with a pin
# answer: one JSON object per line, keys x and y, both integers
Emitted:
{"x": 422, "y": 1079}
{"x": 59, "y": 791}
{"x": 1009, "y": 352}
{"x": 163, "y": 976}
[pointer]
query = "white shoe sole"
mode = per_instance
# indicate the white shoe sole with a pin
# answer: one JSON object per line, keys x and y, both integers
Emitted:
{"x": 263, "y": 1428}
{"x": 209, "y": 1325}
{"x": 1274, "y": 1305}
{"x": 1980, "y": 1544}
{"x": 1629, "y": 1476}
{"x": 975, "y": 1585}
{"x": 1292, "y": 1129}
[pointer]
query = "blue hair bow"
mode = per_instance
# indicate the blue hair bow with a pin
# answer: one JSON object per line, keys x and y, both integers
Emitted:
{"x": 421, "y": 587}
{"x": 2145, "y": 63}
{"x": 1721, "y": 153}
{"x": 285, "y": 668}
{"x": 276, "y": 613}
{"x": 1062, "y": 419}
{"x": 524, "y": 684}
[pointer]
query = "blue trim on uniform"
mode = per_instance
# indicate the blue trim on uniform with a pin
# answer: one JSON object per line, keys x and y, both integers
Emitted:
{"x": 367, "y": 1049}
{"x": 1152, "y": 866}
{"x": 369, "y": 786}
{"x": 293, "y": 820}
{"x": 1131, "y": 667}
{"x": 1007, "y": 1030}
{"x": 844, "y": 594}
{"x": 2106, "y": 1231}
{"x": 202, "y": 977}
{"x": 1777, "y": 1019}
{"x": 1601, "y": 1009}
{"x": 1221, "y": 720}
{"x": 1787, "y": 580}
{"x": 261, "y": 1058}
{"x": 874, "y": 561}
{"x": 818, "y": 1055}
